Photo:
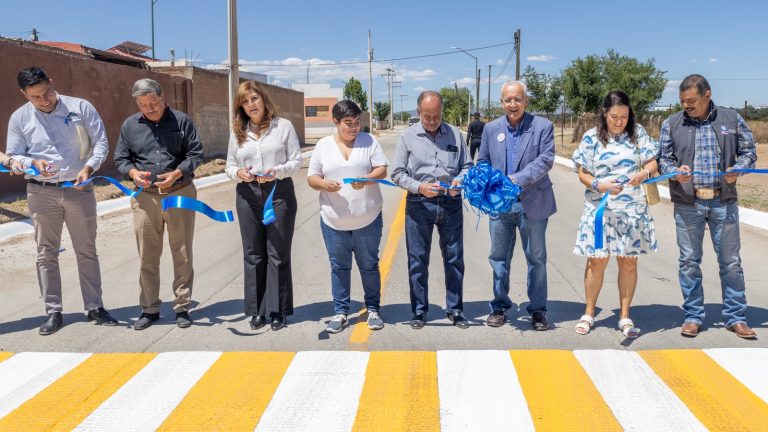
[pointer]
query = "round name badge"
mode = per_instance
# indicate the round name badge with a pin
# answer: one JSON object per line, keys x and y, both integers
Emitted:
{"x": 500, "y": 138}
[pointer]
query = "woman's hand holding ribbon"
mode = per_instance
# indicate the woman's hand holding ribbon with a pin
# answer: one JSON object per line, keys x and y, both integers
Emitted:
{"x": 614, "y": 186}
{"x": 639, "y": 177}
{"x": 245, "y": 175}
{"x": 267, "y": 176}
{"x": 330, "y": 185}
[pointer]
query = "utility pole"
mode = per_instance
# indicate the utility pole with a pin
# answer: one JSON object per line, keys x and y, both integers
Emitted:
{"x": 234, "y": 75}
{"x": 401, "y": 105}
{"x": 153, "y": 26}
{"x": 395, "y": 85}
{"x": 456, "y": 91}
{"x": 489, "y": 93}
{"x": 388, "y": 75}
{"x": 370, "y": 82}
{"x": 469, "y": 106}
{"x": 562, "y": 125}
{"x": 517, "y": 55}
{"x": 477, "y": 89}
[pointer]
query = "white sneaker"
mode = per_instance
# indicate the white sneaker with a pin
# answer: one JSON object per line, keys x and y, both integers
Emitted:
{"x": 374, "y": 321}
{"x": 336, "y": 324}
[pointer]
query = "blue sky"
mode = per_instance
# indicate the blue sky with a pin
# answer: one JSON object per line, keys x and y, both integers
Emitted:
{"x": 725, "y": 42}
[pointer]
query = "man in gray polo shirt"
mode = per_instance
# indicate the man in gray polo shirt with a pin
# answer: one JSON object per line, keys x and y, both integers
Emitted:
{"x": 64, "y": 139}
{"x": 428, "y": 153}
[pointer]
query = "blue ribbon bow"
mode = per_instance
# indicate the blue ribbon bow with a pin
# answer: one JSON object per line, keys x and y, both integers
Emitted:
{"x": 489, "y": 190}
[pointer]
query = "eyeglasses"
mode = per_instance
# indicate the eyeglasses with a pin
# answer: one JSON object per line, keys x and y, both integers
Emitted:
{"x": 517, "y": 100}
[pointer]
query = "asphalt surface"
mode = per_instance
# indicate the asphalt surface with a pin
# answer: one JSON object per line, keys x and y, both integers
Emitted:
{"x": 221, "y": 326}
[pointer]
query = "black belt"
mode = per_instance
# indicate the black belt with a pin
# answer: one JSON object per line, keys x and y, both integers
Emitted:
{"x": 46, "y": 183}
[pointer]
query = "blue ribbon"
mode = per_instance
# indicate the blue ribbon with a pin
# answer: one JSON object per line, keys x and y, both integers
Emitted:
{"x": 489, "y": 190}
{"x": 125, "y": 190}
{"x": 449, "y": 187}
{"x": 604, "y": 201}
{"x": 269, "y": 216}
{"x": 29, "y": 171}
{"x": 186, "y": 203}
{"x": 367, "y": 180}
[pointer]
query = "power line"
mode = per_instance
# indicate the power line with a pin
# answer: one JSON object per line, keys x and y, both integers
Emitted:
{"x": 332, "y": 26}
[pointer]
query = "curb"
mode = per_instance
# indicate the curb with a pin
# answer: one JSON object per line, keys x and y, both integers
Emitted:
{"x": 747, "y": 216}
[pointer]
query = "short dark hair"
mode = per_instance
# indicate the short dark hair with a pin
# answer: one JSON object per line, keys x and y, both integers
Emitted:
{"x": 345, "y": 108}
{"x": 426, "y": 93}
{"x": 31, "y": 76}
{"x": 695, "y": 80}
{"x": 612, "y": 99}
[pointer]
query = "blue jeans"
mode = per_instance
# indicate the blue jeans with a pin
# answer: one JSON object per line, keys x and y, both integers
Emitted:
{"x": 723, "y": 222}
{"x": 421, "y": 216}
{"x": 364, "y": 242}
{"x": 503, "y": 236}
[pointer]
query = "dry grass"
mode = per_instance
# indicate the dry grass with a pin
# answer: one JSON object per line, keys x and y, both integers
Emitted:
{"x": 759, "y": 130}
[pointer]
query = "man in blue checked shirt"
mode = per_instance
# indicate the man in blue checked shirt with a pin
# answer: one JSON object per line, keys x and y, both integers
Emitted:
{"x": 707, "y": 139}
{"x": 64, "y": 139}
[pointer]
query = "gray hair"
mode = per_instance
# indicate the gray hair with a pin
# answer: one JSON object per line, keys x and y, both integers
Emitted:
{"x": 511, "y": 83}
{"x": 146, "y": 86}
{"x": 427, "y": 93}
{"x": 695, "y": 80}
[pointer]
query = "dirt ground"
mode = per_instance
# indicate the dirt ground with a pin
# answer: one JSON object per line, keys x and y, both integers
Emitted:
{"x": 17, "y": 209}
{"x": 753, "y": 188}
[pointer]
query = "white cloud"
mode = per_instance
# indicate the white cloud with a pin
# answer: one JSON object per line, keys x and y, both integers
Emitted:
{"x": 294, "y": 70}
{"x": 672, "y": 86}
{"x": 504, "y": 78}
{"x": 499, "y": 61}
{"x": 464, "y": 82}
{"x": 419, "y": 89}
{"x": 713, "y": 60}
{"x": 541, "y": 58}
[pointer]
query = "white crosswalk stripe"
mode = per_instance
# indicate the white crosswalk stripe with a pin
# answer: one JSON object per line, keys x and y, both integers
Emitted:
{"x": 748, "y": 365}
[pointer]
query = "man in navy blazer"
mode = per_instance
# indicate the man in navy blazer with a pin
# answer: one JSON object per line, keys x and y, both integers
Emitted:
{"x": 522, "y": 146}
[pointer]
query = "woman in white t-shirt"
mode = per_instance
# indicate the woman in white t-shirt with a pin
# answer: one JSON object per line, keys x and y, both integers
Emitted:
{"x": 350, "y": 213}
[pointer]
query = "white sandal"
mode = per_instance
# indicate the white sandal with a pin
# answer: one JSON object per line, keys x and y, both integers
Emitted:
{"x": 627, "y": 327}
{"x": 585, "y": 324}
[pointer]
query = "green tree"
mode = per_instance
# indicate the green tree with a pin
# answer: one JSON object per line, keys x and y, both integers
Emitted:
{"x": 455, "y": 100}
{"x": 587, "y": 80}
{"x": 382, "y": 110}
{"x": 353, "y": 91}
{"x": 546, "y": 91}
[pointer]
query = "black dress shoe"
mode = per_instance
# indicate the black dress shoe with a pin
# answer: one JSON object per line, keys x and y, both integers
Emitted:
{"x": 418, "y": 321}
{"x": 101, "y": 317}
{"x": 258, "y": 322}
{"x": 52, "y": 324}
{"x": 183, "y": 320}
{"x": 145, "y": 320}
{"x": 278, "y": 322}
{"x": 539, "y": 320}
{"x": 457, "y": 318}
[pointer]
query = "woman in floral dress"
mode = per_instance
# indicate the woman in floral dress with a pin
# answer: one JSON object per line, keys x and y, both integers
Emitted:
{"x": 615, "y": 157}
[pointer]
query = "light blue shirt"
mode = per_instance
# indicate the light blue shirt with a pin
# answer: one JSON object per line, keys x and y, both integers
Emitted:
{"x": 57, "y": 137}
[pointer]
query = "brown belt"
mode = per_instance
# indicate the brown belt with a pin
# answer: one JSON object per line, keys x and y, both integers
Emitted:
{"x": 162, "y": 191}
{"x": 707, "y": 194}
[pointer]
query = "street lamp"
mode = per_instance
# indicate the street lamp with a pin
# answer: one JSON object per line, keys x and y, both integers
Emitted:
{"x": 477, "y": 79}
{"x": 309, "y": 63}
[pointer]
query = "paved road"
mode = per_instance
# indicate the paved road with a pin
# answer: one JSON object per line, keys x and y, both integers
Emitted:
{"x": 221, "y": 326}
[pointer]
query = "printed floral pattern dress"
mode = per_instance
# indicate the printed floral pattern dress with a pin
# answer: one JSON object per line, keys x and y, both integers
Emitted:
{"x": 627, "y": 224}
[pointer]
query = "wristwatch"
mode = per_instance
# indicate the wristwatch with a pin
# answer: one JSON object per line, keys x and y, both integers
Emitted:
{"x": 595, "y": 182}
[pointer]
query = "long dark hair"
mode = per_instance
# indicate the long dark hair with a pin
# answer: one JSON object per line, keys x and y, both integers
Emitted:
{"x": 612, "y": 99}
{"x": 240, "y": 122}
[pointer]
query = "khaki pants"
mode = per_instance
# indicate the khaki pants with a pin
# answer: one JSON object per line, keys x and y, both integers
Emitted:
{"x": 51, "y": 207}
{"x": 149, "y": 223}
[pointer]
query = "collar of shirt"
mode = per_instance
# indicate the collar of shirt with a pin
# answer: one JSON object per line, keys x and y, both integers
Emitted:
{"x": 440, "y": 131}
{"x": 711, "y": 116}
{"x": 144, "y": 119}
{"x": 516, "y": 130}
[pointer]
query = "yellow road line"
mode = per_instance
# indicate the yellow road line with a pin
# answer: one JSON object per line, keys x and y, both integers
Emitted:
{"x": 358, "y": 340}
{"x": 400, "y": 393}
{"x": 232, "y": 395}
{"x": 5, "y": 355}
{"x": 559, "y": 392}
{"x": 68, "y": 401}
{"x": 712, "y": 394}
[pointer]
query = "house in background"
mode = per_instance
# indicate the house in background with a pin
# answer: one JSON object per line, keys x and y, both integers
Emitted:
{"x": 319, "y": 99}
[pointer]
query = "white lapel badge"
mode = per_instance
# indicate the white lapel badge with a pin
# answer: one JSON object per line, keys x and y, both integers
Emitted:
{"x": 500, "y": 138}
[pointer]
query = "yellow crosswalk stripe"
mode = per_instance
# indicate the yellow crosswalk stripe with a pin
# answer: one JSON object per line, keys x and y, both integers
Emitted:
{"x": 232, "y": 395}
{"x": 5, "y": 355}
{"x": 400, "y": 393}
{"x": 358, "y": 339}
{"x": 69, "y": 400}
{"x": 713, "y": 395}
{"x": 560, "y": 394}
